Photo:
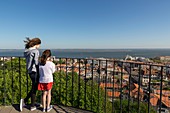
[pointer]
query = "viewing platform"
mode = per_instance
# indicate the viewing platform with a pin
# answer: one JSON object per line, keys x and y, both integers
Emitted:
{"x": 56, "y": 109}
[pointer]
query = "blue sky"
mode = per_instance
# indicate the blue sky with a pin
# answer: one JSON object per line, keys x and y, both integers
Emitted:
{"x": 96, "y": 24}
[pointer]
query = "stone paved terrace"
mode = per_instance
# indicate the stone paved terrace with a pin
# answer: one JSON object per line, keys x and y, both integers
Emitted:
{"x": 56, "y": 109}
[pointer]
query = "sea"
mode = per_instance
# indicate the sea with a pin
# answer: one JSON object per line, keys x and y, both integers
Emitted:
{"x": 94, "y": 53}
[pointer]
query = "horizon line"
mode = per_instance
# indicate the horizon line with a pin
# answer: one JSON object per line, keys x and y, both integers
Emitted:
{"x": 86, "y": 48}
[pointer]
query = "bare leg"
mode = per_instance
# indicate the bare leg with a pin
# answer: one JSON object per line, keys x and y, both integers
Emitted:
{"x": 44, "y": 99}
{"x": 48, "y": 98}
{"x": 41, "y": 103}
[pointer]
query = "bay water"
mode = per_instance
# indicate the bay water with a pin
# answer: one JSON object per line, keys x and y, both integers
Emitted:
{"x": 94, "y": 53}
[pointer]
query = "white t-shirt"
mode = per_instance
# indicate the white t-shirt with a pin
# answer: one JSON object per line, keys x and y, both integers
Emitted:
{"x": 46, "y": 72}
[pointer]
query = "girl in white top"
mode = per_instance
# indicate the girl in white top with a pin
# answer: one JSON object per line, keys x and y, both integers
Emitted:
{"x": 46, "y": 70}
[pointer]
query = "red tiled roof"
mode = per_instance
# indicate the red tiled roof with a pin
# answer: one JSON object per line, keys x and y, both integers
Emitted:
{"x": 136, "y": 89}
{"x": 165, "y": 100}
{"x": 116, "y": 94}
{"x": 154, "y": 100}
{"x": 164, "y": 92}
{"x": 110, "y": 85}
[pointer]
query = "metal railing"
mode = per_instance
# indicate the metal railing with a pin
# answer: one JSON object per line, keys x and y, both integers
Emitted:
{"x": 98, "y": 85}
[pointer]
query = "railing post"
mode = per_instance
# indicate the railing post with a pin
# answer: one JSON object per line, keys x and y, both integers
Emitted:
{"x": 160, "y": 102}
{"x": 4, "y": 102}
{"x": 105, "y": 87}
{"x": 121, "y": 87}
{"x": 12, "y": 81}
{"x": 149, "y": 88}
{"x": 85, "y": 84}
{"x": 66, "y": 82}
{"x": 92, "y": 86}
{"x": 139, "y": 88}
{"x": 60, "y": 82}
{"x": 79, "y": 85}
{"x": 72, "y": 80}
{"x": 20, "y": 75}
{"x": 129, "y": 98}
{"x": 98, "y": 88}
{"x": 113, "y": 90}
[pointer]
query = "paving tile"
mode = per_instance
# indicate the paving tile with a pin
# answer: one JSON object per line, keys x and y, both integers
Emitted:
{"x": 56, "y": 109}
{"x": 6, "y": 109}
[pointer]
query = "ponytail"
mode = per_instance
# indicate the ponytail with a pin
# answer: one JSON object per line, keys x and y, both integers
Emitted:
{"x": 45, "y": 55}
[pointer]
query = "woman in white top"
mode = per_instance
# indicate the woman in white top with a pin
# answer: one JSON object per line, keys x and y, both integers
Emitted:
{"x": 46, "y": 70}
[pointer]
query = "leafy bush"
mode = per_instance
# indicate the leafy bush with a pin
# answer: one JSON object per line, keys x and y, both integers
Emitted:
{"x": 143, "y": 108}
